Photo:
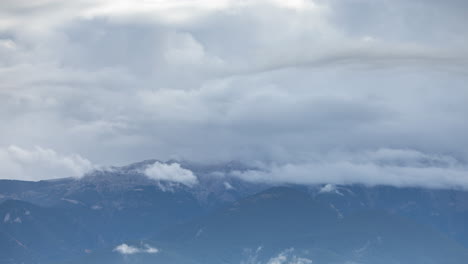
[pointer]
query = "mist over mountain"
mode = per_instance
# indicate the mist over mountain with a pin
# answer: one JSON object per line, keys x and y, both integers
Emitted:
{"x": 122, "y": 215}
{"x": 233, "y": 131}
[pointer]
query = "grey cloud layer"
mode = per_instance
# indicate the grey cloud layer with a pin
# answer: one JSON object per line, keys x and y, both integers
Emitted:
{"x": 384, "y": 166}
{"x": 269, "y": 81}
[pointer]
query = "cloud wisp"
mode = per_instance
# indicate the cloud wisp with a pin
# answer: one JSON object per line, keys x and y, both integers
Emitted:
{"x": 288, "y": 257}
{"x": 125, "y": 249}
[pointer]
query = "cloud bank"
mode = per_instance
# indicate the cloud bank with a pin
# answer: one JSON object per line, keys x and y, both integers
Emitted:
{"x": 396, "y": 167}
{"x": 172, "y": 172}
{"x": 289, "y": 83}
{"x": 40, "y": 163}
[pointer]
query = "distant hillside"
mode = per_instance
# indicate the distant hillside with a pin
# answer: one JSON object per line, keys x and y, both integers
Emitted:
{"x": 223, "y": 219}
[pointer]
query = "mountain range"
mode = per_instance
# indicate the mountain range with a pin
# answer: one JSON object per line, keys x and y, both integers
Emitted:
{"x": 120, "y": 215}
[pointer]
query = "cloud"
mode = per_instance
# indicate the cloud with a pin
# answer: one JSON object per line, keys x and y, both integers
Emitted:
{"x": 396, "y": 167}
{"x": 288, "y": 257}
{"x": 328, "y": 188}
{"x": 40, "y": 163}
{"x": 125, "y": 249}
{"x": 267, "y": 81}
{"x": 228, "y": 186}
{"x": 172, "y": 172}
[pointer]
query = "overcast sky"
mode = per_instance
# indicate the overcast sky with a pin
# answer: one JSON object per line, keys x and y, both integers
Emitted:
{"x": 340, "y": 91}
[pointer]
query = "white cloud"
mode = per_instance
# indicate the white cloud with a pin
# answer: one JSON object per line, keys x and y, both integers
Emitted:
{"x": 394, "y": 167}
{"x": 125, "y": 249}
{"x": 268, "y": 80}
{"x": 178, "y": 11}
{"x": 328, "y": 188}
{"x": 150, "y": 250}
{"x": 40, "y": 164}
{"x": 288, "y": 257}
{"x": 183, "y": 50}
{"x": 7, "y": 44}
{"x": 170, "y": 172}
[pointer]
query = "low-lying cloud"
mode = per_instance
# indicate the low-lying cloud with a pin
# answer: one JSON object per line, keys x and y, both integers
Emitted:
{"x": 172, "y": 172}
{"x": 288, "y": 257}
{"x": 125, "y": 249}
{"x": 396, "y": 167}
{"x": 40, "y": 164}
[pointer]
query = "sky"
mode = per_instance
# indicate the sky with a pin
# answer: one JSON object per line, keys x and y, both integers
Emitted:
{"x": 341, "y": 91}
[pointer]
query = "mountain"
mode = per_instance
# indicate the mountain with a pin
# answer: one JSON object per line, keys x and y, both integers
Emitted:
{"x": 284, "y": 220}
{"x": 444, "y": 210}
{"x": 120, "y": 215}
{"x": 214, "y": 181}
{"x": 71, "y": 217}
{"x": 33, "y": 234}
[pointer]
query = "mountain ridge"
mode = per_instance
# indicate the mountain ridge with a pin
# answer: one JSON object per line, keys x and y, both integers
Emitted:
{"x": 114, "y": 207}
